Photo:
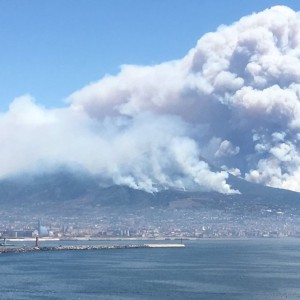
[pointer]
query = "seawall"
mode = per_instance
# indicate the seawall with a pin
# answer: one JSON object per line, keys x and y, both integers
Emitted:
{"x": 85, "y": 247}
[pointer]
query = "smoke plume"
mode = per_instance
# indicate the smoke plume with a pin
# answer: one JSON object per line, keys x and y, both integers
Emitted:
{"x": 232, "y": 102}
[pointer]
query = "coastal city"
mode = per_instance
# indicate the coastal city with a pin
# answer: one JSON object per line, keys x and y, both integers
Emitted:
{"x": 153, "y": 223}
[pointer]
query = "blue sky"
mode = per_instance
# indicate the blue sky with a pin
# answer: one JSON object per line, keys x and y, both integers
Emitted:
{"x": 49, "y": 49}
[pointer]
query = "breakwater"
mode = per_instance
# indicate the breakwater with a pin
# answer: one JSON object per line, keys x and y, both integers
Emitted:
{"x": 85, "y": 247}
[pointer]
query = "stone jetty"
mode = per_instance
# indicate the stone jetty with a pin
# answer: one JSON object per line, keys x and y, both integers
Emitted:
{"x": 85, "y": 247}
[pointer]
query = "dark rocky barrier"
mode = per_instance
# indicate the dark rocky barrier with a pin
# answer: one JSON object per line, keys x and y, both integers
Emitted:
{"x": 85, "y": 247}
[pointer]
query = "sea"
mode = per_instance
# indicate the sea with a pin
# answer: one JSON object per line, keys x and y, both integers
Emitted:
{"x": 204, "y": 269}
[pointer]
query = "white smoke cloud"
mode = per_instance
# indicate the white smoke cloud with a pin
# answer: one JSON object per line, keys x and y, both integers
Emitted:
{"x": 227, "y": 149}
{"x": 146, "y": 152}
{"x": 232, "y": 101}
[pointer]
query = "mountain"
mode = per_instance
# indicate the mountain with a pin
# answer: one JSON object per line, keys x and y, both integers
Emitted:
{"x": 67, "y": 192}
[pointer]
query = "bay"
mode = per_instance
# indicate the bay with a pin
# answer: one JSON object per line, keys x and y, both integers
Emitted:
{"x": 205, "y": 269}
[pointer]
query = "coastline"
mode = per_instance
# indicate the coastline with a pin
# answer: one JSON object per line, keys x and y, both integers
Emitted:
{"x": 64, "y": 239}
{"x": 116, "y": 239}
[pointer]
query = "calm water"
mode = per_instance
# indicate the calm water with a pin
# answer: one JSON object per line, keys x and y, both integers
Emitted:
{"x": 205, "y": 269}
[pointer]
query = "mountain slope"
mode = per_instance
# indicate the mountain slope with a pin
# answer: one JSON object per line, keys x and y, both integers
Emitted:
{"x": 74, "y": 192}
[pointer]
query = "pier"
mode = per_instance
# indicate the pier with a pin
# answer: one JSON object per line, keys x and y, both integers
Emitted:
{"x": 85, "y": 247}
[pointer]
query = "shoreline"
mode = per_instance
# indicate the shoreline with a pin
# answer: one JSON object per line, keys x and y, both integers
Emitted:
{"x": 63, "y": 239}
{"x": 162, "y": 239}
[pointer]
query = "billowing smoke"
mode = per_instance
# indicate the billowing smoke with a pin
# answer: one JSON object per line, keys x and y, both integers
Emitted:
{"x": 233, "y": 102}
{"x": 149, "y": 152}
